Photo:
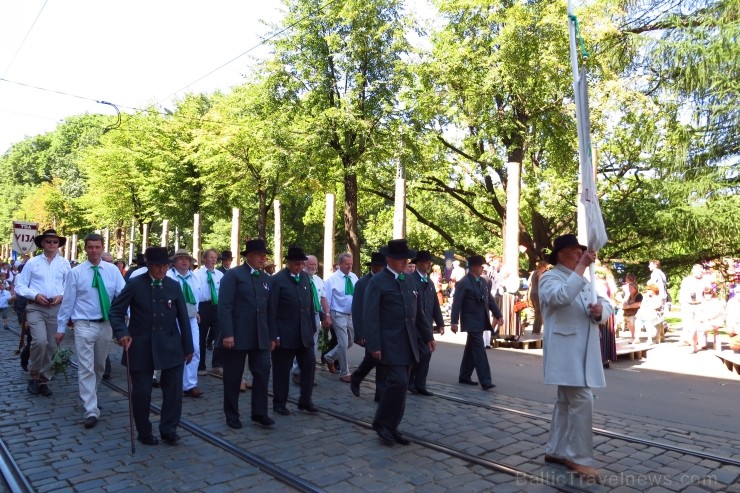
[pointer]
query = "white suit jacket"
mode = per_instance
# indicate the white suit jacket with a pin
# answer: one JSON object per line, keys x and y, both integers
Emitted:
{"x": 572, "y": 351}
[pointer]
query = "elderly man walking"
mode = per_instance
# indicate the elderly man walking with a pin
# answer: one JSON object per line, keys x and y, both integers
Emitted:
{"x": 42, "y": 282}
{"x": 572, "y": 353}
{"x": 88, "y": 293}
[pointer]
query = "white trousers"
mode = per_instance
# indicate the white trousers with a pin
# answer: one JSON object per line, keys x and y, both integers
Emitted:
{"x": 92, "y": 341}
{"x": 570, "y": 431}
{"x": 190, "y": 372}
{"x": 345, "y": 331}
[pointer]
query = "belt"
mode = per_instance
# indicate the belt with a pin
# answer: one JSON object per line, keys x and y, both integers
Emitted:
{"x": 100, "y": 320}
{"x": 341, "y": 313}
{"x": 209, "y": 302}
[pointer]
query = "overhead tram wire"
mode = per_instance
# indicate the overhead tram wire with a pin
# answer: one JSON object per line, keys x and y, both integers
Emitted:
{"x": 12, "y": 60}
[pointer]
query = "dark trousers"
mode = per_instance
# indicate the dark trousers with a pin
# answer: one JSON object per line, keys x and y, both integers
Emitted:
{"x": 395, "y": 380}
{"x": 233, "y": 364}
{"x": 365, "y": 367}
{"x": 208, "y": 330}
{"x": 475, "y": 358}
{"x": 141, "y": 399}
{"x": 282, "y": 362}
{"x": 420, "y": 370}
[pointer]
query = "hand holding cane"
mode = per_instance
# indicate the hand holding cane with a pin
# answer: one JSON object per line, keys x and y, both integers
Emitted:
{"x": 130, "y": 406}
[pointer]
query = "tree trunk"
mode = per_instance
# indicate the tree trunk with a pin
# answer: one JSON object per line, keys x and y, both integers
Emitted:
{"x": 350, "y": 219}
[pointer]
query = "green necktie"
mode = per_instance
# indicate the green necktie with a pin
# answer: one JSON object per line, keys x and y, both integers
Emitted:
{"x": 349, "y": 288}
{"x": 297, "y": 278}
{"x": 255, "y": 273}
{"x": 102, "y": 293}
{"x": 401, "y": 277}
{"x": 316, "y": 304}
{"x": 157, "y": 282}
{"x": 187, "y": 291}
{"x": 212, "y": 285}
{"x": 424, "y": 279}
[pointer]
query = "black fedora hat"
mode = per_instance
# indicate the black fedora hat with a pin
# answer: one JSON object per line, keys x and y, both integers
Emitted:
{"x": 422, "y": 256}
{"x": 140, "y": 260}
{"x": 376, "y": 258}
{"x": 561, "y": 242}
{"x": 296, "y": 253}
{"x": 476, "y": 260}
{"x": 397, "y": 249}
{"x": 255, "y": 246}
{"x": 49, "y": 233}
{"x": 226, "y": 255}
{"x": 157, "y": 256}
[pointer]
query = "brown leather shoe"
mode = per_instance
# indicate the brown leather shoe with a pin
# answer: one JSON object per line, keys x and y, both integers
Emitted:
{"x": 586, "y": 472}
{"x": 195, "y": 392}
{"x": 245, "y": 386}
{"x": 553, "y": 459}
{"x": 346, "y": 379}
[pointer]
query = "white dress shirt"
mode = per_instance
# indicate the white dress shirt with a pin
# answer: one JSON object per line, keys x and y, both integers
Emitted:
{"x": 190, "y": 279}
{"x": 5, "y": 298}
{"x": 334, "y": 291}
{"x": 39, "y": 276}
{"x": 202, "y": 276}
{"x": 81, "y": 300}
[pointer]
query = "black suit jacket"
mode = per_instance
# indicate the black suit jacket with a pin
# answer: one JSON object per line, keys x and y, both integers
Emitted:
{"x": 242, "y": 309}
{"x": 291, "y": 313}
{"x": 156, "y": 341}
{"x": 358, "y": 301}
{"x": 429, "y": 301}
{"x": 392, "y": 319}
{"x": 471, "y": 303}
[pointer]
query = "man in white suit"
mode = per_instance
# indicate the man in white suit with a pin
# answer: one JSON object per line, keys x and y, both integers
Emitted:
{"x": 572, "y": 355}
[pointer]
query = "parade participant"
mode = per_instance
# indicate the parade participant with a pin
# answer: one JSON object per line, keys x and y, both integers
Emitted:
{"x": 376, "y": 264}
{"x": 572, "y": 354}
{"x": 209, "y": 279}
{"x": 42, "y": 282}
{"x": 393, "y": 323}
{"x": 88, "y": 292}
{"x": 339, "y": 289}
{"x": 691, "y": 298}
{"x": 226, "y": 259}
{"x": 471, "y": 305}
{"x": 191, "y": 291}
{"x": 244, "y": 331}
{"x": 432, "y": 312}
{"x": 157, "y": 337}
{"x": 291, "y": 316}
{"x": 139, "y": 263}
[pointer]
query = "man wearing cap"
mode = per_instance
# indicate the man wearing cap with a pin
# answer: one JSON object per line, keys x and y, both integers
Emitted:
{"x": 376, "y": 264}
{"x": 87, "y": 296}
{"x": 209, "y": 279}
{"x": 339, "y": 289}
{"x": 432, "y": 312}
{"x": 471, "y": 305}
{"x": 158, "y": 336}
{"x": 244, "y": 331}
{"x": 191, "y": 291}
{"x": 393, "y": 323}
{"x": 42, "y": 282}
{"x": 572, "y": 353}
{"x": 291, "y": 316}
{"x": 226, "y": 259}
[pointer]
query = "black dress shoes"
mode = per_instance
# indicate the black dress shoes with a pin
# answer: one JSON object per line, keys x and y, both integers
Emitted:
{"x": 263, "y": 420}
{"x": 386, "y": 436}
{"x": 487, "y": 386}
{"x": 281, "y": 410}
{"x": 308, "y": 408}
{"x": 400, "y": 439}
{"x": 424, "y": 392}
{"x": 150, "y": 440}
{"x": 354, "y": 386}
{"x": 467, "y": 381}
{"x": 33, "y": 387}
{"x": 234, "y": 423}
{"x": 44, "y": 390}
{"x": 170, "y": 439}
{"x": 413, "y": 389}
{"x": 91, "y": 421}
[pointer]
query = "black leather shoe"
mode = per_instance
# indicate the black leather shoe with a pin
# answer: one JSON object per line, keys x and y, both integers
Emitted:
{"x": 308, "y": 408}
{"x": 170, "y": 439}
{"x": 91, "y": 421}
{"x": 400, "y": 439}
{"x": 150, "y": 440}
{"x": 354, "y": 386}
{"x": 467, "y": 381}
{"x": 263, "y": 420}
{"x": 386, "y": 435}
{"x": 44, "y": 390}
{"x": 106, "y": 376}
{"x": 413, "y": 389}
{"x": 488, "y": 386}
{"x": 234, "y": 423}
{"x": 282, "y": 410}
{"x": 33, "y": 387}
{"x": 424, "y": 392}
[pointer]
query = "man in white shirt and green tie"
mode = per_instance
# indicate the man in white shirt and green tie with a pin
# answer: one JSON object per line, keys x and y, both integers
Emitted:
{"x": 339, "y": 290}
{"x": 88, "y": 292}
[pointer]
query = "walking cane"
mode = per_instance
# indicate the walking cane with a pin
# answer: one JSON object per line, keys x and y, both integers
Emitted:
{"x": 130, "y": 406}
{"x": 21, "y": 343}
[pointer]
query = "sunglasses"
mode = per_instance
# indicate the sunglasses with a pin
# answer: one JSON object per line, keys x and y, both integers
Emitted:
{"x": 51, "y": 242}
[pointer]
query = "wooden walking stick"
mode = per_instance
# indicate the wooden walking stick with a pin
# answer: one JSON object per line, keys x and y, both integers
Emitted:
{"x": 22, "y": 341}
{"x": 130, "y": 406}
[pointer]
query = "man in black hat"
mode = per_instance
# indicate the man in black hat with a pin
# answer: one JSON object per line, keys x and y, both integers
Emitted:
{"x": 42, "y": 282}
{"x": 392, "y": 323}
{"x": 140, "y": 262}
{"x": 376, "y": 264}
{"x": 291, "y": 316}
{"x": 471, "y": 305}
{"x": 244, "y": 330}
{"x": 157, "y": 337}
{"x": 226, "y": 259}
{"x": 433, "y": 313}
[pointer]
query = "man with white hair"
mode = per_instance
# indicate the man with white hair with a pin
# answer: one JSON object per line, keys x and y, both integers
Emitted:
{"x": 339, "y": 289}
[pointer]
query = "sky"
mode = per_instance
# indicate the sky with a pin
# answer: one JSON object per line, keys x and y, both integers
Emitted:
{"x": 131, "y": 53}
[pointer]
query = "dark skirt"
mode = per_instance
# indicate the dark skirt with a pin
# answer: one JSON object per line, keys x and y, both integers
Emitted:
{"x": 608, "y": 341}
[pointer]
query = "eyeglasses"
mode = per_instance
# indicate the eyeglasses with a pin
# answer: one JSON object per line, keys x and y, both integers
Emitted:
{"x": 51, "y": 242}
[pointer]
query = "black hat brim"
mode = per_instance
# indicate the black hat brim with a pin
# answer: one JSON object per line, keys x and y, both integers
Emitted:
{"x": 408, "y": 254}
